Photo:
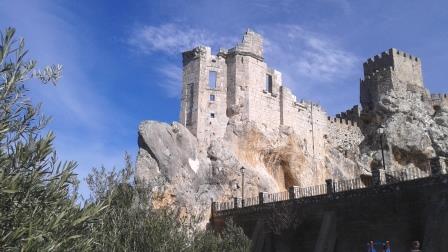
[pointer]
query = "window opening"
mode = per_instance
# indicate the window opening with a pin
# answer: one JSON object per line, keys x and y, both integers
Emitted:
{"x": 212, "y": 79}
{"x": 269, "y": 83}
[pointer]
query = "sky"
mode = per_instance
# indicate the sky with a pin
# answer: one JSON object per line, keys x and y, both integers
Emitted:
{"x": 122, "y": 59}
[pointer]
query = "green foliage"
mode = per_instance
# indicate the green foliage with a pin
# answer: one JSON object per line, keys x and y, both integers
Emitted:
{"x": 38, "y": 212}
{"x": 232, "y": 238}
{"x": 38, "y": 194}
{"x": 129, "y": 223}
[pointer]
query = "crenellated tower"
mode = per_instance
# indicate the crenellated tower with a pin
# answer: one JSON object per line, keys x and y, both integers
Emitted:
{"x": 394, "y": 73}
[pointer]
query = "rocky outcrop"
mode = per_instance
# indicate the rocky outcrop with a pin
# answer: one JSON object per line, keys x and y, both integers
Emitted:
{"x": 186, "y": 178}
{"x": 414, "y": 130}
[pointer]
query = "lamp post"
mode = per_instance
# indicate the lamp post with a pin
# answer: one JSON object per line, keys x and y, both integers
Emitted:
{"x": 380, "y": 131}
{"x": 242, "y": 185}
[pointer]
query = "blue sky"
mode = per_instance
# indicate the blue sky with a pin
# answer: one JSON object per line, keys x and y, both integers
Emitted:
{"x": 122, "y": 61}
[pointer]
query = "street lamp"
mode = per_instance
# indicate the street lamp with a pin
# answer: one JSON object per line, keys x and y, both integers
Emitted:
{"x": 242, "y": 185}
{"x": 380, "y": 132}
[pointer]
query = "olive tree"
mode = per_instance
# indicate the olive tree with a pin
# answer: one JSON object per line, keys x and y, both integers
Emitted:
{"x": 38, "y": 209}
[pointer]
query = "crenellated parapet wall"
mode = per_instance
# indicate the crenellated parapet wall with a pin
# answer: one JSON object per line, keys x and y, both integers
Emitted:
{"x": 344, "y": 134}
{"x": 439, "y": 99}
{"x": 393, "y": 58}
{"x": 342, "y": 122}
{"x": 352, "y": 114}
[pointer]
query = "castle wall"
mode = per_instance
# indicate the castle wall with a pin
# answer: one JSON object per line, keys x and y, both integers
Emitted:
{"x": 392, "y": 71}
{"x": 188, "y": 114}
{"x": 345, "y": 134}
{"x": 209, "y": 114}
{"x": 247, "y": 87}
{"x": 440, "y": 100}
{"x": 264, "y": 106}
{"x": 308, "y": 121}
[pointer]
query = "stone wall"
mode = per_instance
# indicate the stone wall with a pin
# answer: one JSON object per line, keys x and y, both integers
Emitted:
{"x": 345, "y": 134}
{"x": 208, "y": 112}
{"x": 440, "y": 100}
{"x": 243, "y": 90}
{"x": 346, "y": 221}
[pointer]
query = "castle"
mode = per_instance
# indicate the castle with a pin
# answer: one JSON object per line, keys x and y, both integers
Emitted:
{"x": 238, "y": 81}
{"x": 236, "y": 112}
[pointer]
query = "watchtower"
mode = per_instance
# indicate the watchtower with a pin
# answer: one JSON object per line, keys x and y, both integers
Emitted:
{"x": 204, "y": 94}
{"x": 391, "y": 71}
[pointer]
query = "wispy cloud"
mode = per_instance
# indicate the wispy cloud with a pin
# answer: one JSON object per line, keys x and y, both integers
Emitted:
{"x": 173, "y": 77}
{"x": 82, "y": 115}
{"x": 172, "y": 38}
{"x": 305, "y": 56}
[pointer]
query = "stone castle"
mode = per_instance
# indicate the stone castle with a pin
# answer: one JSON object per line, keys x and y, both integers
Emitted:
{"x": 238, "y": 81}
{"x": 236, "y": 112}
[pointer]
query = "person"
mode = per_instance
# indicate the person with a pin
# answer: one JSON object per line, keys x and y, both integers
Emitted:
{"x": 415, "y": 247}
{"x": 386, "y": 246}
{"x": 371, "y": 247}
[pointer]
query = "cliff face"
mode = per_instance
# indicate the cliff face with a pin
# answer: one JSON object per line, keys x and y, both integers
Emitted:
{"x": 415, "y": 128}
{"x": 184, "y": 177}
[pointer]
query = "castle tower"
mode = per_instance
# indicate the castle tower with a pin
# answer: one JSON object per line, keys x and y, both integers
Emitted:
{"x": 204, "y": 94}
{"x": 395, "y": 73}
{"x": 253, "y": 88}
{"x": 235, "y": 81}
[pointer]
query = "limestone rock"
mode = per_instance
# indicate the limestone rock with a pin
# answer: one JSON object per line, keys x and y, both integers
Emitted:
{"x": 187, "y": 179}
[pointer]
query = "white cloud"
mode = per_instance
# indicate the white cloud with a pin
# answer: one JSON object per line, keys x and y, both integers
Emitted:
{"x": 83, "y": 117}
{"x": 305, "y": 56}
{"x": 171, "y": 38}
{"x": 173, "y": 79}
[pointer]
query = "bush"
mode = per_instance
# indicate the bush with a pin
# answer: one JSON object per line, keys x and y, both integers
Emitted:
{"x": 129, "y": 223}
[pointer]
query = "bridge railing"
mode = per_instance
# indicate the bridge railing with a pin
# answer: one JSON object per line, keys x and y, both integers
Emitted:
{"x": 379, "y": 177}
{"x": 276, "y": 197}
{"x": 350, "y": 184}
{"x": 251, "y": 201}
{"x": 309, "y": 191}
{"x": 405, "y": 175}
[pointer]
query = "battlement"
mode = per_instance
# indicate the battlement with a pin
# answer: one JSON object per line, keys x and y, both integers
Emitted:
{"x": 352, "y": 114}
{"x": 195, "y": 53}
{"x": 377, "y": 72}
{"x": 388, "y": 59}
{"x": 439, "y": 96}
{"x": 251, "y": 45}
{"x": 439, "y": 99}
{"x": 342, "y": 121}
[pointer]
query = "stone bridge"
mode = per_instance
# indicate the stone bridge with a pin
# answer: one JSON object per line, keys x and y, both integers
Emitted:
{"x": 400, "y": 207}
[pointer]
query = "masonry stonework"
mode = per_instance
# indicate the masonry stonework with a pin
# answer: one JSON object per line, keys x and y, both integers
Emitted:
{"x": 247, "y": 87}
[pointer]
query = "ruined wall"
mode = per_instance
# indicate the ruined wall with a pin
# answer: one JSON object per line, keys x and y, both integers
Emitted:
{"x": 264, "y": 105}
{"x": 308, "y": 120}
{"x": 345, "y": 135}
{"x": 246, "y": 87}
{"x": 208, "y": 120}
